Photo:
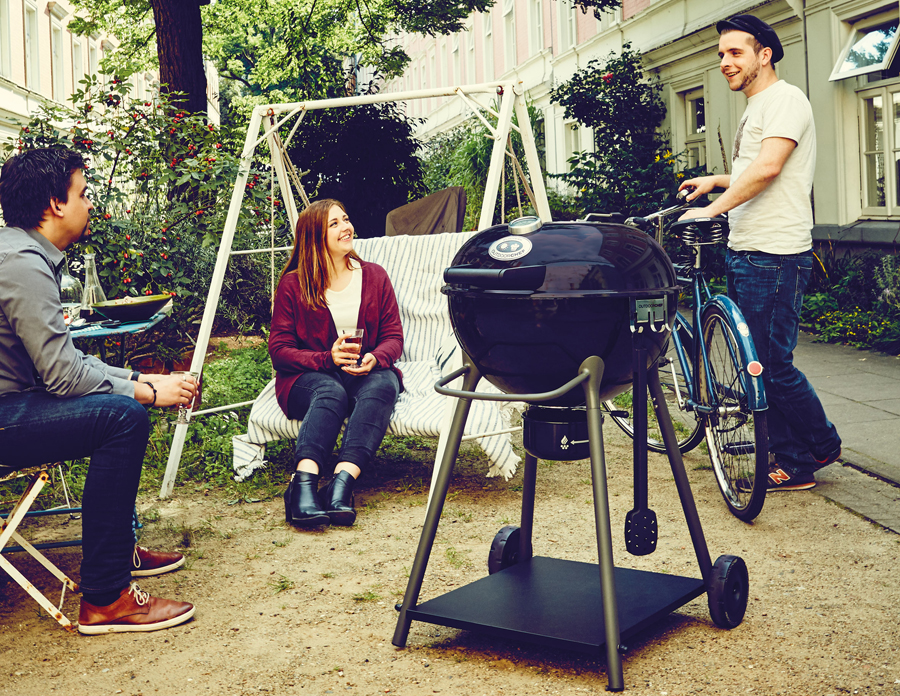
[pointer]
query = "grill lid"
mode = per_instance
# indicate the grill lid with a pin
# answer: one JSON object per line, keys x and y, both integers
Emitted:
{"x": 570, "y": 258}
{"x": 529, "y": 308}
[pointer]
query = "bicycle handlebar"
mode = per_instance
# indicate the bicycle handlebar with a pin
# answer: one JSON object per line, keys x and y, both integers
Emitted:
{"x": 682, "y": 203}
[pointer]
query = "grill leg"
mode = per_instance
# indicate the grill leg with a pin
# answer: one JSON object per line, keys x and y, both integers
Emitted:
{"x": 436, "y": 506}
{"x": 681, "y": 480}
{"x": 594, "y": 365}
{"x": 526, "y": 525}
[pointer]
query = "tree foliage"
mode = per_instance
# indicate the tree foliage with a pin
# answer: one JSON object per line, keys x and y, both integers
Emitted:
{"x": 462, "y": 157}
{"x": 365, "y": 157}
{"x": 632, "y": 169}
{"x": 281, "y": 50}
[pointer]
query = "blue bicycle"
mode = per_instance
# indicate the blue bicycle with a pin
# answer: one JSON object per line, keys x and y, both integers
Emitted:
{"x": 710, "y": 375}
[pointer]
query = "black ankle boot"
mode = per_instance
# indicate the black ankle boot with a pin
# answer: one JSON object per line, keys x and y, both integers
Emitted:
{"x": 301, "y": 501}
{"x": 337, "y": 499}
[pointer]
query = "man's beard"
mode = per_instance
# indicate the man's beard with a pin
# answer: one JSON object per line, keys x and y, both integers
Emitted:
{"x": 749, "y": 77}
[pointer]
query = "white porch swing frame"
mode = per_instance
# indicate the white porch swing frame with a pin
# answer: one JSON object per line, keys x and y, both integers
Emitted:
{"x": 511, "y": 101}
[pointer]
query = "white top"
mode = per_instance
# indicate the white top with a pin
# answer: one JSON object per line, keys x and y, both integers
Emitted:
{"x": 344, "y": 304}
{"x": 778, "y": 220}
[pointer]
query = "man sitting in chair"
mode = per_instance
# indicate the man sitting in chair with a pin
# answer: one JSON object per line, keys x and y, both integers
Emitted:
{"x": 56, "y": 403}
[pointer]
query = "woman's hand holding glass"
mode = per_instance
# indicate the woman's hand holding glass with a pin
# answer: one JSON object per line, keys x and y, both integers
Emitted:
{"x": 366, "y": 365}
{"x": 345, "y": 353}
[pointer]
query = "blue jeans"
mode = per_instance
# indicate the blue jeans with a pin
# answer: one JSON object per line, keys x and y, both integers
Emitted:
{"x": 769, "y": 291}
{"x": 39, "y": 428}
{"x": 322, "y": 400}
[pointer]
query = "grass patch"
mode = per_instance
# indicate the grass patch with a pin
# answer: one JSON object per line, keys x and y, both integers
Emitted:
{"x": 281, "y": 584}
{"x": 367, "y": 596}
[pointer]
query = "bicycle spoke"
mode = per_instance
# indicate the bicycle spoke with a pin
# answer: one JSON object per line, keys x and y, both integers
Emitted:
{"x": 732, "y": 427}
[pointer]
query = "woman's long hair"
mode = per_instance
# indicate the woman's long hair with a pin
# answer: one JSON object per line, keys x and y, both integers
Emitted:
{"x": 310, "y": 258}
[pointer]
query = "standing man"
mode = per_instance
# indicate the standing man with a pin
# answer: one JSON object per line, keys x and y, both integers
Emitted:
{"x": 56, "y": 403}
{"x": 770, "y": 258}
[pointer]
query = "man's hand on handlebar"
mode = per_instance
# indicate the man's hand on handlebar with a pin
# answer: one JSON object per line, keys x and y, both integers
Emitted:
{"x": 692, "y": 213}
{"x": 697, "y": 187}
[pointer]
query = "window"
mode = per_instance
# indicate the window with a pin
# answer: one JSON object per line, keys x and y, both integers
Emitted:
{"x": 881, "y": 150}
{"x": 93, "y": 65}
{"x": 32, "y": 63}
{"x": 5, "y": 65}
{"x": 56, "y": 62}
{"x": 573, "y": 138}
{"x": 457, "y": 62}
{"x": 77, "y": 63}
{"x": 509, "y": 34}
{"x": 537, "y": 26}
{"x": 695, "y": 131}
{"x": 608, "y": 18}
{"x": 488, "y": 60}
{"x": 871, "y": 47}
{"x": 568, "y": 34}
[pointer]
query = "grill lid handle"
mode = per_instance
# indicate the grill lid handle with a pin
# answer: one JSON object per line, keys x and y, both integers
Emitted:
{"x": 519, "y": 278}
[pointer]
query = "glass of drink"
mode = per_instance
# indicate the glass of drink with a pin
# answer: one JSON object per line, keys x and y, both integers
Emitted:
{"x": 353, "y": 342}
{"x": 184, "y": 412}
{"x": 70, "y": 293}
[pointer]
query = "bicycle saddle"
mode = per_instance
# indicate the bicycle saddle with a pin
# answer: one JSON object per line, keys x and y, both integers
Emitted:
{"x": 700, "y": 230}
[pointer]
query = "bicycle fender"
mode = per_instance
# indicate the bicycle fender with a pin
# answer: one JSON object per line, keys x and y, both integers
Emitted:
{"x": 756, "y": 391}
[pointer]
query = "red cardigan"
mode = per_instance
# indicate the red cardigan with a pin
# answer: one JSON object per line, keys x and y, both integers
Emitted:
{"x": 301, "y": 338}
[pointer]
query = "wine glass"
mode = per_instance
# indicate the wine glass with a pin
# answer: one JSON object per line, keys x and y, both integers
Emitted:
{"x": 185, "y": 411}
{"x": 353, "y": 341}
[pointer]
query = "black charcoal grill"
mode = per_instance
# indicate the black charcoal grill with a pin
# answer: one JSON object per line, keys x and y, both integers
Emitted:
{"x": 564, "y": 316}
{"x": 530, "y": 302}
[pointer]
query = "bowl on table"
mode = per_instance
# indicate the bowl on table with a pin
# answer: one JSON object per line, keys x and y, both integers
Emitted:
{"x": 132, "y": 308}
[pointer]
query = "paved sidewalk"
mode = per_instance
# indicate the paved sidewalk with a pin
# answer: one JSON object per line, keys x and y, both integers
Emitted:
{"x": 861, "y": 394}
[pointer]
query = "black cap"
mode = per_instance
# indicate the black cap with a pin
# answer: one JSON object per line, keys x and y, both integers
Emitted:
{"x": 761, "y": 31}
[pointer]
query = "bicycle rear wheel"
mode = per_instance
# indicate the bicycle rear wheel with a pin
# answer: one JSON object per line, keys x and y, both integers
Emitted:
{"x": 736, "y": 437}
{"x": 688, "y": 427}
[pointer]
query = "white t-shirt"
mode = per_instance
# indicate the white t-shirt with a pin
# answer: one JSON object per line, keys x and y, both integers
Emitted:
{"x": 344, "y": 304}
{"x": 778, "y": 220}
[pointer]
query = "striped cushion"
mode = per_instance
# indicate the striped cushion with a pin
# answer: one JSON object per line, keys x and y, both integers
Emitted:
{"x": 415, "y": 265}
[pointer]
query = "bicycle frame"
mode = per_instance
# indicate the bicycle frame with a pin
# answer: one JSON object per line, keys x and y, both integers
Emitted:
{"x": 752, "y": 386}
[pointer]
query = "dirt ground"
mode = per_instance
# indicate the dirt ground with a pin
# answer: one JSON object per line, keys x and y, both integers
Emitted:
{"x": 282, "y": 611}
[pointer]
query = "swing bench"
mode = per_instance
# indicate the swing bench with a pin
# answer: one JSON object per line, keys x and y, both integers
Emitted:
{"x": 415, "y": 265}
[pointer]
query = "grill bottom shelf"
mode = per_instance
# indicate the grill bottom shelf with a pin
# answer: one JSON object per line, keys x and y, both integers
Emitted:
{"x": 558, "y": 603}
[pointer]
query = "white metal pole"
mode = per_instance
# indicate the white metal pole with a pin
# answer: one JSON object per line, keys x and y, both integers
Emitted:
{"x": 533, "y": 160}
{"x": 498, "y": 158}
{"x": 215, "y": 289}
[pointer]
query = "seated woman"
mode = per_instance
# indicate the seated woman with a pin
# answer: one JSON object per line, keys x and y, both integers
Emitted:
{"x": 321, "y": 378}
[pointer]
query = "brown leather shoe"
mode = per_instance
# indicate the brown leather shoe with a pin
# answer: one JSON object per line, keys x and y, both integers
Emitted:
{"x": 145, "y": 562}
{"x": 134, "y": 610}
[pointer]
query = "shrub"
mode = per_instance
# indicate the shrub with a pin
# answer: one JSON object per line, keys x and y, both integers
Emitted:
{"x": 160, "y": 182}
{"x": 462, "y": 157}
{"x": 856, "y": 300}
{"x": 632, "y": 170}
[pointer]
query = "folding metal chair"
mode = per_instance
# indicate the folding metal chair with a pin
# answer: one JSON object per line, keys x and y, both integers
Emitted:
{"x": 8, "y": 532}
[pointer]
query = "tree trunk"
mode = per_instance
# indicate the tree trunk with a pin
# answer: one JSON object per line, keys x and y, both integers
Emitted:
{"x": 179, "y": 40}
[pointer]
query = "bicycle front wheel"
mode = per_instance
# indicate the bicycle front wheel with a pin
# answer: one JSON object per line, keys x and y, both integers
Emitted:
{"x": 688, "y": 428}
{"x": 736, "y": 437}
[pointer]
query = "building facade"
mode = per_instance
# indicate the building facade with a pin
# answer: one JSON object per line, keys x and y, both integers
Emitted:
{"x": 842, "y": 54}
{"x": 42, "y": 61}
